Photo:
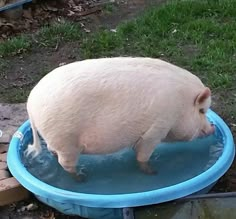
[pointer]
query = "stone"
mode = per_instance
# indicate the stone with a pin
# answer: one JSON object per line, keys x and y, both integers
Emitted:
{"x": 11, "y": 117}
{"x": 4, "y": 174}
{"x": 11, "y": 191}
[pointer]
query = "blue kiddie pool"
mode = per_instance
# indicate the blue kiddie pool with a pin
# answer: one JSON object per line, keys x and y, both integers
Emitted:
{"x": 114, "y": 181}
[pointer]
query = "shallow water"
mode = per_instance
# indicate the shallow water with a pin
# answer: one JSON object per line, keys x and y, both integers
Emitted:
{"x": 118, "y": 173}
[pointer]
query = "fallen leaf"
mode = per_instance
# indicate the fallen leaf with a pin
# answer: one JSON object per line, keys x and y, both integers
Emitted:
{"x": 62, "y": 63}
{"x": 6, "y": 24}
{"x": 70, "y": 13}
{"x": 50, "y": 8}
{"x": 48, "y": 215}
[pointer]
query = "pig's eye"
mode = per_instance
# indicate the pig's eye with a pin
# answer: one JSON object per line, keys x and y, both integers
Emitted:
{"x": 202, "y": 111}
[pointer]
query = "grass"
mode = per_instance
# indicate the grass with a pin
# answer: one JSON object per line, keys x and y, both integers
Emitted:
{"x": 15, "y": 46}
{"x": 15, "y": 94}
{"x": 57, "y": 32}
{"x": 197, "y": 35}
{"x": 47, "y": 36}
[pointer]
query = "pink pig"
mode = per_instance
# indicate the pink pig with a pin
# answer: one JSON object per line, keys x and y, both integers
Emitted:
{"x": 100, "y": 106}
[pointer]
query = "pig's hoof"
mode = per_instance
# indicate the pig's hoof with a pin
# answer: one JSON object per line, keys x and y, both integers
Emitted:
{"x": 146, "y": 168}
{"x": 79, "y": 177}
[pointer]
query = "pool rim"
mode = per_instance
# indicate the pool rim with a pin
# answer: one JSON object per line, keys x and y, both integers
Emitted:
{"x": 169, "y": 193}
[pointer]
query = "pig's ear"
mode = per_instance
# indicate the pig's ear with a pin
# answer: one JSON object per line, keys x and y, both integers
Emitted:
{"x": 203, "y": 96}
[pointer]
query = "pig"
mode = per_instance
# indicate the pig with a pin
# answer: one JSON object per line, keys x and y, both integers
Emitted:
{"x": 100, "y": 106}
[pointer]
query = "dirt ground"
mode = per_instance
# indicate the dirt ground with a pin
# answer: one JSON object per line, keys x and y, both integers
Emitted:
{"x": 23, "y": 66}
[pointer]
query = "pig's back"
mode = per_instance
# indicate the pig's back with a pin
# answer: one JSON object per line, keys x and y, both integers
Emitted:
{"x": 113, "y": 74}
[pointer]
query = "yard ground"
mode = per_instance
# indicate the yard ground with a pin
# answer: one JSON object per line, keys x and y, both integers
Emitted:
{"x": 196, "y": 35}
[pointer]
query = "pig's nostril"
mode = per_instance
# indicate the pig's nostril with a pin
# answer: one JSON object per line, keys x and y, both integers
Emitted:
{"x": 213, "y": 128}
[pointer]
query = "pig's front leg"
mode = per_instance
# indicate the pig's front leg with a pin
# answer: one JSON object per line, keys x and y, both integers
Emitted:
{"x": 143, "y": 152}
{"x": 145, "y": 147}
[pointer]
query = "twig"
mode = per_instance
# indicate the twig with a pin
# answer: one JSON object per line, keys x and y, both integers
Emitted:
{"x": 22, "y": 84}
{"x": 3, "y": 86}
{"x": 57, "y": 45}
{"x": 90, "y": 11}
{"x": 36, "y": 41}
{"x": 101, "y": 3}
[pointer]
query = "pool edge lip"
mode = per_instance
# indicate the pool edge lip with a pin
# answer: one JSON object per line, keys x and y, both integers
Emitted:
{"x": 123, "y": 200}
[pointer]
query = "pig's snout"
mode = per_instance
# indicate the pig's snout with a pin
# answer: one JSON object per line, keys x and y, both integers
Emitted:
{"x": 211, "y": 130}
{"x": 208, "y": 131}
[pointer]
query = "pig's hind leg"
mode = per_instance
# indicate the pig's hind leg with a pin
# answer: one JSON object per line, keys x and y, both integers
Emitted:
{"x": 68, "y": 155}
{"x": 68, "y": 161}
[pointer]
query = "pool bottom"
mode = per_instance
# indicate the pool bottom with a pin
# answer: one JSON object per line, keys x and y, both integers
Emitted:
{"x": 109, "y": 174}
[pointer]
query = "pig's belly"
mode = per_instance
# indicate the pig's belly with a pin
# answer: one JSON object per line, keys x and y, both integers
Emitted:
{"x": 103, "y": 141}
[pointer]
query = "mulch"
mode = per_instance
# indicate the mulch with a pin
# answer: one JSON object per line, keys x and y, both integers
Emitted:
{"x": 35, "y": 15}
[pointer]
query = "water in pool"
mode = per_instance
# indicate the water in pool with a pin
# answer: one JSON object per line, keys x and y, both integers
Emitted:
{"x": 118, "y": 173}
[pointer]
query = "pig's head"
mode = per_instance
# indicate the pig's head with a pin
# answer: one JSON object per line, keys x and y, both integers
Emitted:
{"x": 193, "y": 122}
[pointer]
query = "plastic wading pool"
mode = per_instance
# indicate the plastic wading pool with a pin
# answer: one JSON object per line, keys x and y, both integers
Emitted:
{"x": 114, "y": 182}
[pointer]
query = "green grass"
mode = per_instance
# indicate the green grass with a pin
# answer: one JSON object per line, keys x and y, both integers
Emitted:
{"x": 47, "y": 36}
{"x": 14, "y": 95}
{"x": 197, "y": 35}
{"x": 57, "y": 32}
{"x": 14, "y": 46}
